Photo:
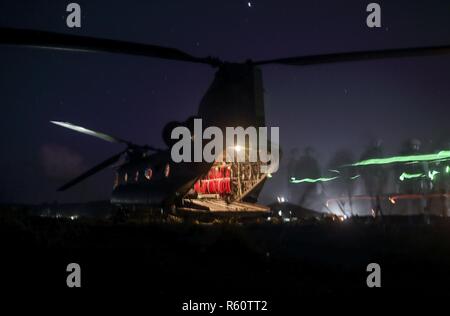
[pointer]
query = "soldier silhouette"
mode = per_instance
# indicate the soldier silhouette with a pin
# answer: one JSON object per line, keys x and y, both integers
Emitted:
{"x": 307, "y": 167}
{"x": 417, "y": 184}
{"x": 293, "y": 160}
{"x": 374, "y": 176}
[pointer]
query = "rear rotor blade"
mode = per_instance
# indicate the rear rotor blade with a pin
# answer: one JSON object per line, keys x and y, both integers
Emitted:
{"x": 358, "y": 56}
{"x": 50, "y": 40}
{"x": 86, "y": 131}
{"x": 92, "y": 171}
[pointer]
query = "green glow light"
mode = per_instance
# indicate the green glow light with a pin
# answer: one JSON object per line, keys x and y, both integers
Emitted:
{"x": 432, "y": 174}
{"x": 444, "y": 154}
{"x": 309, "y": 180}
{"x": 334, "y": 170}
{"x": 355, "y": 177}
{"x": 447, "y": 169}
{"x": 407, "y": 176}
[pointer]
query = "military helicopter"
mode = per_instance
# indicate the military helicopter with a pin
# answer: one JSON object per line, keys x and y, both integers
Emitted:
{"x": 235, "y": 98}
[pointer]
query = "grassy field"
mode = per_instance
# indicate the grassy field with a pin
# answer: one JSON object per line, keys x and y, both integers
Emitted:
{"x": 276, "y": 262}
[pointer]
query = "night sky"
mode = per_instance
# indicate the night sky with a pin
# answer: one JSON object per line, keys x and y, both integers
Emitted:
{"x": 329, "y": 107}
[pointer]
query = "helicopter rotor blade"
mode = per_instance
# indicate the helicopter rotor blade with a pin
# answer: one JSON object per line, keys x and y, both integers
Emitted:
{"x": 103, "y": 136}
{"x": 92, "y": 171}
{"x": 86, "y": 131}
{"x": 51, "y": 40}
{"x": 358, "y": 56}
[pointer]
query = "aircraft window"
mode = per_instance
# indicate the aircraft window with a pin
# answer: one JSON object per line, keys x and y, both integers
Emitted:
{"x": 148, "y": 173}
{"x": 116, "y": 180}
{"x": 167, "y": 170}
{"x": 136, "y": 177}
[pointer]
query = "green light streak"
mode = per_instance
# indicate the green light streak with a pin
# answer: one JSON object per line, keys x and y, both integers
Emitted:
{"x": 445, "y": 154}
{"x": 309, "y": 180}
{"x": 334, "y": 170}
{"x": 432, "y": 174}
{"x": 355, "y": 177}
{"x": 407, "y": 176}
{"x": 447, "y": 169}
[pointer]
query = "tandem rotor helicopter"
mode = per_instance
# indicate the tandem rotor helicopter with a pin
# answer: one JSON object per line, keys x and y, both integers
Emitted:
{"x": 149, "y": 178}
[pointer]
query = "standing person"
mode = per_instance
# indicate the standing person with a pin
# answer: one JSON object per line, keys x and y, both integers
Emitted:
{"x": 344, "y": 185}
{"x": 307, "y": 167}
{"x": 441, "y": 185}
{"x": 374, "y": 176}
{"x": 412, "y": 178}
{"x": 292, "y": 162}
